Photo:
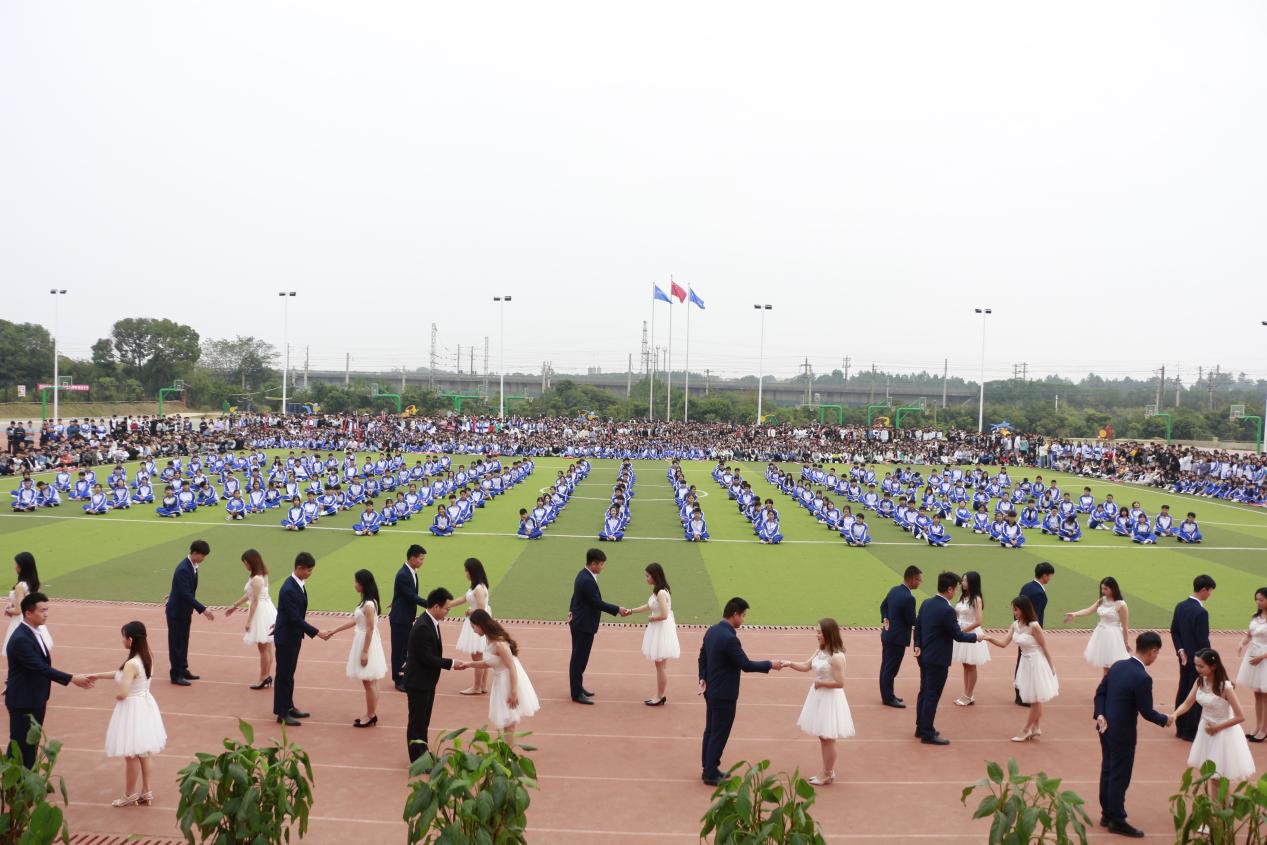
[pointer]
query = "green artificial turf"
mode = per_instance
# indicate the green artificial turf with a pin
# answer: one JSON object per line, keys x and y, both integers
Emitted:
{"x": 129, "y": 555}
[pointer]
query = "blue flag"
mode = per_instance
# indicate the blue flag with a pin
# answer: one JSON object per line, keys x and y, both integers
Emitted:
{"x": 695, "y": 298}
{"x": 659, "y": 294}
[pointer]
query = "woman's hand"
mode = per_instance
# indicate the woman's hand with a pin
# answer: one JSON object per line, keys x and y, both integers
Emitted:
{"x": 1212, "y": 729}
{"x": 1254, "y": 661}
{"x": 512, "y": 701}
{"x": 1068, "y": 618}
{"x": 365, "y": 660}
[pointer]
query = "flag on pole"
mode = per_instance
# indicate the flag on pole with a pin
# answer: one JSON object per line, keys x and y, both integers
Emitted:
{"x": 695, "y": 298}
{"x": 659, "y": 294}
{"x": 678, "y": 291}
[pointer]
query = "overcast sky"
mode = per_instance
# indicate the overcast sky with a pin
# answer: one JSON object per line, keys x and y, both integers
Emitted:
{"x": 1094, "y": 172}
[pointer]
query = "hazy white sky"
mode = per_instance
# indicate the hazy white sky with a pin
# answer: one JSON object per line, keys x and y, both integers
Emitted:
{"x": 1094, "y": 172}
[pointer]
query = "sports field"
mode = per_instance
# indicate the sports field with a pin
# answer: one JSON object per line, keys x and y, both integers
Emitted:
{"x": 129, "y": 555}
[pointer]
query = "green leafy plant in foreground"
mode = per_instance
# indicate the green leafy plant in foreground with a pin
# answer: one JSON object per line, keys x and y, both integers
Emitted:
{"x": 1027, "y": 809}
{"x": 27, "y": 817}
{"x": 1208, "y": 809}
{"x": 760, "y": 808}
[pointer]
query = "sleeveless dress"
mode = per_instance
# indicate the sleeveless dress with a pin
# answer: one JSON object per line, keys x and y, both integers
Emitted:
{"x": 265, "y": 616}
{"x": 500, "y": 713}
{"x": 470, "y": 642}
{"x": 973, "y": 654}
{"x": 136, "y": 727}
{"x": 15, "y": 621}
{"x": 1228, "y": 748}
{"x": 660, "y": 642}
{"x": 1035, "y": 681}
{"x": 826, "y": 711}
{"x": 375, "y": 667}
{"x": 1254, "y": 678}
{"x": 1106, "y": 645}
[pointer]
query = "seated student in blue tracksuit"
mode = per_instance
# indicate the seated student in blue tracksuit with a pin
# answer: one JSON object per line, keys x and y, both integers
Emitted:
{"x": 696, "y": 528}
{"x": 936, "y": 534}
{"x": 121, "y": 499}
{"x": 1122, "y": 524}
{"x": 82, "y": 490}
{"x": 1086, "y": 502}
{"x": 24, "y": 498}
{"x": 312, "y": 510}
{"x": 768, "y": 531}
{"x": 1070, "y": 531}
{"x": 963, "y": 515}
{"x": 980, "y": 520}
{"x": 1103, "y": 517}
{"x": 1143, "y": 532}
{"x": 1030, "y": 516}
{"x": 613, "y": 526}
{"x": 528, "y": 527}
{"x": 1051, "y": 523}
{"x": 859, "y": 534}
{"x": 919, "y": 529}
{"x": 1011, "y": 535}
{"x": 185, "y": 498}
{"x": 97, "y": 503}
{"x": 996, "y": 527}
{"x": 272, "y": 496}
{"x": 327, "y": 503}
{"x": 369, "y": 522}
{"x": 295, "y": 520}
{"x": 388, "y": 514}
{"x": 401, "y": 509}
{"x": 1164, "y": 524}
{"x": 235, "y": 506}
{"x": 1188, "y": 532}
{"x": 206, "y": 495}
{"x": 46, "y": 495}
{"x": 144, "y": 493}
{"x": 61, "y": 481}
{"x": 442, "y": 525}
{"x": 168, "y": 505}
{"x": 885, "y": 507}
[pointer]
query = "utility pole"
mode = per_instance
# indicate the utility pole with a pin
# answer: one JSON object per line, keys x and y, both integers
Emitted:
{"x": 471, "y": 369}
{"x": 1209, "y": 405}
{"x": 457, "y": 360}
{"x": 945, "y": 374}
{"x": 305, "y": 368}
{"x": 646, "y": 351}
{"x": 347, "y": 369}
{"x": 809, "y": 382}
{"x": 872, "y": 399}
{"x": 485, "y": 368}
{"x": 846, "y": 369}
{"x": 402, "y": 378}
{"x": 1177, "y": 385}
{"x": 1161, "y": 384}
{"x": 434, "y": 361}
{"x": 629, "y": 377}
{"x": 707, "y": 379}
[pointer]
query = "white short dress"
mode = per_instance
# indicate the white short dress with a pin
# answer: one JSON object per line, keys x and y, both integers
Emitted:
{"x": 15, "y": 621}
{"x": 470, "y": 642}
{"x": 1106, "y": 645}
{"x": 972, "y": 654}
{"x": 660, "y": 641}
{"x": 500, "y": 713}
{"x": 1035, "y": 680}
{"x": 1229, "y": 749}
{"x": 826, "y": 711}
{"x": 375, "y": 667}
{"x": 260, "y": 629}
{"x": 136, "y": 727}
{"x": 1254, "y": 678}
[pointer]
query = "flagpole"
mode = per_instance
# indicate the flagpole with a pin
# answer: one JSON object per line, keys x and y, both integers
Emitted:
{"x": 651, "y": 362}
{"x": 686, "y": 399}
{"x": 668, "y": 363}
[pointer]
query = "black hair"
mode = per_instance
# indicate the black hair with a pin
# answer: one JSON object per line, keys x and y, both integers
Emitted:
{"x": 32, "y": 599}
{"x": 199, "y": 547}
{"x": 1147, "y": 641}
{"x": 1044, "y": 568}
{"x": 1218, "y": 678}
{"x": 911, "y": 572}
{"x": 305, "y": 560}
{"x": 1111, "y": 583}
{"x": 27, "y": 572}
{"x": 660, "y": 581}
{"x": 1202, "y": 582}
{"x": 1026, "y": 607}
{"x": 369, "y": 588}
{"x": 492, "y": 629}
{"x": 595, "y": 556}
{"x": 947, "y": 581}
{"x": 734, "y": 606}
{"x": 438, "y": 596}
{"x": 475, "y": 571}
{"x": 1261, "y": 591}
{"x": 973, "y": 591}
{"x": 140, "y": 646}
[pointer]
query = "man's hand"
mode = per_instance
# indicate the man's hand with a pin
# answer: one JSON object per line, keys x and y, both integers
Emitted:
{"x": 229, "y": 611}
{"x": 459, "y": 665}
{"x": 886, "y": 624}
{"x": 82, "y": 681}
{"x": 624, "y": 611}
{"x": 1101, "y": 724}
{"x": 776, "y": 665}
{"x": 1183, "y": 658}
{"x": 1170, "y": 720}
{"x": 325, "y": 635}
{"x": 568, "y": 621}
{"x": 703, "y": 685}
{"x": 207, "y": 613}
{"x": 916, "y": 650}
{"x": 272, "y": 628}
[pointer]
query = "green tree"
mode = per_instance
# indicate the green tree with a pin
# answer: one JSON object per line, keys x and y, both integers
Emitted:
{"x": 244, "y": 361}
{"x": 26, "y": 353}
{"x": 153, "y": 351}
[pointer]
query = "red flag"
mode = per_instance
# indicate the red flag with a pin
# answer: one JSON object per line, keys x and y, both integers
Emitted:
{"x": 677, "y": 290}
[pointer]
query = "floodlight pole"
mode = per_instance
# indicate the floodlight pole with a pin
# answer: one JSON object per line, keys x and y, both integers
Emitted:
{"x": 57, "y": 385}
{"x": 981, "y": 399}
{"x": 761, "y": 359}
{"x": 286, "y": 296}
{"x": 501, "y": 357}
{"x": 1262, "y": 434}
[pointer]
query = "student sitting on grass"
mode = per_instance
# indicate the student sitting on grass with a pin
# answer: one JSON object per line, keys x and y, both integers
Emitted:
{"x": 369, "y": 522}
{"x": 1122, "y": 525}
{"x": 937, "y": 535}
{"x": 613, "y": 526}
{"x": 1070, "y": 531}
{"x": 1051, "y": 523}
{"x": 82, "y": 491}
{"x": 24, "y": 497}
{"x": 1188, "y": 531}
{"x": 528, "y": 527}
{"x": 1164, "y": 524}
{"x": 295, "y": 520}
{"x": 1143, "y": 532}
{"x": 1011, "y": 536}
{"x": 696, "y": 529}
{"x": 388, "y": 514}
{"x": 144, "y": 493}
{"x": 235, "y": 507}
{"x": 185, "y": 498}
{"x": 122, "y": 498}
{"x": 859, "y": 533}
{"x": 769, "y": 530}
{"x": 963, "y": 515}
{"x": 1104, "y": 516}
{"x": 169, "y": 505}
{"x": 97, "y": 503}
{"x": 206, "y": 495}
{"x": 442, "y": 525}
{"x": 46, "y": 495}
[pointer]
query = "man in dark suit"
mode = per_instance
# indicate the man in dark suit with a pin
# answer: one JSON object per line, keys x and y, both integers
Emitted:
{"x": 405, "y": 604}
{"x": 1125, "y": 692}
{"x": 422, "y": 670}
{"x": 897, "y": 616}
{"x": 31, "y": 675}
{"x": 936, "y": 630}
{"x": 583, "y": 615}
{"x": 288, "y": 637}
{"x": 721, "y": 659}
{"x": 1190, "y": 632}
{"x": 1036, "y": 592}
{"x": 182, "y": 604}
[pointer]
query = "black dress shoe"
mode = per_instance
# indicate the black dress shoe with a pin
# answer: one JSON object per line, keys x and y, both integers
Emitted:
{"x": 190, "y": 676}
{"x": 288, "y": 721}
{"x": 895, "y": 703}
{"x": 713, "y": 781}
{"x": 1188, "y": 738}
{"x": 298, "y": 714}
{"x": 1124, "y": 829}
{"x": 586, "y": 692}
{"x": 1104, "y": 822}
{"x": 936, "y": 739}
{"x": 899, "y": 700}
{"x": 181, "y": 682}
{"x": 401, "y": 688}
{"x": 583, "y": 699}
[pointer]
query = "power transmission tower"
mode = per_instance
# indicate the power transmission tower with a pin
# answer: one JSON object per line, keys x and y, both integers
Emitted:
{"x": 809, "y": 382}
{"x": 434, "y": 360}
{"x": 846, "y": 363}
{"x": 646, "y": 351}
{"x": 1161, "y": 383}
{"x": 457, "y": 360}
{"x": 629, "y": 377}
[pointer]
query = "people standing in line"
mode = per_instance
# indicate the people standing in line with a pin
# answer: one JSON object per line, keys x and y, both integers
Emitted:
{"x": 1036, "y": 682}
{"x": 28, "y": 582}
{"x": 583, "y": 616}
{"x": 1253, "y": 674}
{"x": 936, "y": 629}
{"x": 968, "y": 613}
{"x": 1125, "y": 693}
{"x": 261, "y": 616}
{"x": 288, "y": 638}
{"x": 897, "y": 620}
{"x": 825, "y": 713}
{"x": 366, "y": 662}
{"x": 469, "y": 642}
{"x": 659, "y": 642}
{"x": 1110, "y": 641}
{"x": 1221, "y": 737}
{"x": 136, "y": 728}
{"x": 422, "y": 670}
{"x": 404, "y": 610}
{"x": 182, "y": 604}
{"x": 721, "y": 659}
{"x": 1190, "y": 632}
{"x": 1036, "y": 591}
{"x": 511, "y": 698}
{"x": 31, "y": 675}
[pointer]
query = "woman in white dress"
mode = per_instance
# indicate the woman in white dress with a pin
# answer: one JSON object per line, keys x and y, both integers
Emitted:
{"x": 261, "y": 616}
{"x": 1253, "y": 674}
{"x": 1110, "y": 641}
{"x": 1036, "y": 676}
{"x": 660, "y": 642}
{"x": 826, "y": 711}
{"x": 1221, "y": 737}
{"x": 971, "y": 655}
{"x": 136, "y": 727}
{"x": 28, "y": 582}
{"x": 469, "y": 642}
{"x": 511, "y": 696}
{"x": 366, "y": 662}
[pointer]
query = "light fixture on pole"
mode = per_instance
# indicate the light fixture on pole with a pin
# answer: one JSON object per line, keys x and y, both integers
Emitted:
{"x": 286, "y": 296}
{"x": 57, "y": 385}
{"x": 501, "y": 357}
{"x": 761, "y": 358}
{"x": 984, "y": 312}
{"x": 1262, "y": 442}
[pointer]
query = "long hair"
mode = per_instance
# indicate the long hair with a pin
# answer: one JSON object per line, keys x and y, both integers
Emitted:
{"x": 493, "y": 631}
{"x": 255, "y": 561}
{"x": 658, "y": 578}
{"x": 1261, "y": 591}
{"x": 140, "y": 646}
{"x": 27, "y": 571}
{"x": 973, "y": 591}
{"x": 369, "y": 588}
{"x": 475, "y": 572}
{"x": 1026, "y": 607}
{"x": 1114, "y": 589}
{"x": 833, "y": 643}
{"x": 1218, "y": 677}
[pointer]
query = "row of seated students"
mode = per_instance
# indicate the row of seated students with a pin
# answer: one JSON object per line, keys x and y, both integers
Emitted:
{"x": 616, "y": 520}
{"x": 1250, "y": 491}
{"x": 532, "y": 523}
{"x": 761, "y": 515}
{"x": 690, "y": 511}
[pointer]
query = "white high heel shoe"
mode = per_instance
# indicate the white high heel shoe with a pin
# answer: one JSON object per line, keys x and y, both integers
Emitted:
{"x": 820, "y": 781}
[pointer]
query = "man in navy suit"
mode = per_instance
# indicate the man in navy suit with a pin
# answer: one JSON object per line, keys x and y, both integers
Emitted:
{"x": 288, "y": 636}
{"x": 405, "y": 604}
{"x": 897, "y": 616}
{"x": 182, "y": 604}
{"x": 31, "y": 675}
{"x": 583, "y": 615}
{"x": 721, "y": 659}
{"x": 1036, "y": 592}
{"x": 936, "y": 631}
{"x": 1125, "y": 691}
{"x": 422, "y": 670}
{"x": 1190, "y": 632}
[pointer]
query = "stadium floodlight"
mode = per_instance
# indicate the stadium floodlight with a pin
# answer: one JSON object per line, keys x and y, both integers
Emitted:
{"x": 984, "y": 312}
{"x": 501, "y": 356}
{"x": 286, "y": 297}
{"x": 761, "y": 356}
{"x": 57, "y": 293}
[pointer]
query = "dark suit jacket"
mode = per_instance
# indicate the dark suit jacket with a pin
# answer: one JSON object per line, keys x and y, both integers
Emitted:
{"x": 899, "y": 608}
{"x": 292, "y": 604}
{"x": 424, "y": 660}
{"x": 181, "y": 601}
{"x": 936, "y": 629}
{"x": 587, "y": 603}
{"x": 31, "y": 672}
{"x": 1190, "y": 627}
{"x": 405, "y": 600}
{"x": 1126, "y": 690}
{"x": 721, "y": 659}
{"x": 1037, "y": 596}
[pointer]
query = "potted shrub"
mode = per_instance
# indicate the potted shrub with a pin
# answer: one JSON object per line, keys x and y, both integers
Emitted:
{"x": 1208, "y": 809}
{"x": 760, "y": 808}
{"x": 1028, "y": 808}
{"x": 27, "y": 817}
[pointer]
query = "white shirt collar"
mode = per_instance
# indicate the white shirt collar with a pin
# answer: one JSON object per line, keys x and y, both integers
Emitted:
{"x": 1137, "y": 660}
{"x": 299, "y": 581}
{"x": 1197, "y": 600}
{"x": 38, "y": 638}
{"x": 1041, "y": 584}
{"x": 948, "y": 601}
{"x": 592, "y": 572}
